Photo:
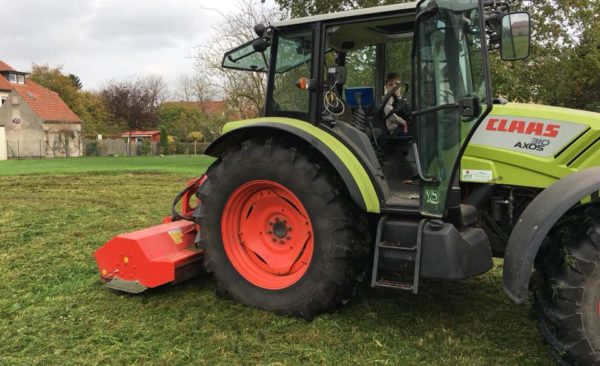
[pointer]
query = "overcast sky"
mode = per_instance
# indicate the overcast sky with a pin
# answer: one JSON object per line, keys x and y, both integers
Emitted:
{"x": 108, "y": 39}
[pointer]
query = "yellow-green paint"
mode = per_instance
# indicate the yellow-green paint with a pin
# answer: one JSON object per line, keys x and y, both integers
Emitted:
{"x": 521, "y": 169}
{"x": 364, "y": 183}
{"x": 548, "y": 112}
{"x": 507, "y": 167}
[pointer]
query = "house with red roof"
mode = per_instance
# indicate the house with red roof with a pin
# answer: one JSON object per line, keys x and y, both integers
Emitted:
{"x": 35, "y": 120}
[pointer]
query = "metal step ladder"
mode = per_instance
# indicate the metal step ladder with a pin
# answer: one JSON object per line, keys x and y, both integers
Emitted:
{"x": 410, "y": 255}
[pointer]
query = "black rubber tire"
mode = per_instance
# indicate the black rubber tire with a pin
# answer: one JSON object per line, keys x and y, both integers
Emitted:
{"x": 567, "y": 298}
{"x": 341, "y": 248}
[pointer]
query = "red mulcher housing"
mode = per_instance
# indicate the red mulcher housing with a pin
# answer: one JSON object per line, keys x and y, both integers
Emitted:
{"x": 155, "y": 256}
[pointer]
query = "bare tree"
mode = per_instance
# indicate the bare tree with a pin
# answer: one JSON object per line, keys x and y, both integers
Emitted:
{"x": 156, "y": 88}
{"x": 193, "y": 89}
{"x": 184, "y": 90}
{"x": 243, "y": 91}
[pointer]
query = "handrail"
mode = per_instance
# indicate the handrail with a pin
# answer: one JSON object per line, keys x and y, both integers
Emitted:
{"x": 419, "y": 169}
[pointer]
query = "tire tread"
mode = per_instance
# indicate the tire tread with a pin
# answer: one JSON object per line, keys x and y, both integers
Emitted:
{"x": 347, "y": 255}
{"x": 558, "y": 296}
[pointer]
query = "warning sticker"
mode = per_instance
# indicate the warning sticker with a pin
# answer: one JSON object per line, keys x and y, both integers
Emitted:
{"x": 176, "y": 235}
{"x": 481, "y": 176}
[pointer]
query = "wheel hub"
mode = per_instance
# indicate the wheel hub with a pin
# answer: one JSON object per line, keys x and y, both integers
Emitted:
{"x": 280, "y": 229}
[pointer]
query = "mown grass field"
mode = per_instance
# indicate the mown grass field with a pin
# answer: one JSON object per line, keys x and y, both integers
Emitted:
{"x": 177, "y": 164}
{"x": 54, "y": 310}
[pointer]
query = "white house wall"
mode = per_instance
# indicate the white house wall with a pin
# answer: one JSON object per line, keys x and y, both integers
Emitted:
{"x": 3, "y": 152}
{"x": 23, "y": 128}
{"x": 63, "y": 139}
{"x": 31, "y": 137}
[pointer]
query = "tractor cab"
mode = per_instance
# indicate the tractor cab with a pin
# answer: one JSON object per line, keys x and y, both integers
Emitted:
{"x": 403, "y": 86}
{"x": 332, "y": 73}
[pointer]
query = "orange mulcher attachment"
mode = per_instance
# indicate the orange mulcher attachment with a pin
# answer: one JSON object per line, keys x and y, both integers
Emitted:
{"x": 155, "y": 256}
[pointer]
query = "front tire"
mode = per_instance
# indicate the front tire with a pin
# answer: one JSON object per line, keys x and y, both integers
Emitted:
{"x": 279, "y": 231}
{"x": 567, "y": 300}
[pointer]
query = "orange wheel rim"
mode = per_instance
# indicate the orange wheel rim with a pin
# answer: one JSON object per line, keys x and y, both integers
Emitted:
{"x": 267, "y": 234}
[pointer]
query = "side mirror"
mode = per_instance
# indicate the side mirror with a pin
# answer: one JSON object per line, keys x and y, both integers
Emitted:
{"x": 260, "y": 29}
{"x": 260, "y": 44}
{"x": 515, "y": 39}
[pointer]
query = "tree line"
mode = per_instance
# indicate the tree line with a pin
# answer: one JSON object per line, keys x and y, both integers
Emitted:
{"x": 136, "y": 103}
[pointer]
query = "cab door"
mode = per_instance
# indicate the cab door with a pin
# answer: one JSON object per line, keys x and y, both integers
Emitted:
{"x": 452, "y": 92}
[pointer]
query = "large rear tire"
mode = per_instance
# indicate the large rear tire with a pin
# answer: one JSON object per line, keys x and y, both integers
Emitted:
{"x": 567, "y": 300}
{"x": 279, "y": 230}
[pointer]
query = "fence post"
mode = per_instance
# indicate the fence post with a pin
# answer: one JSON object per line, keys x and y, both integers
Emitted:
{"x": 18, "y": 149}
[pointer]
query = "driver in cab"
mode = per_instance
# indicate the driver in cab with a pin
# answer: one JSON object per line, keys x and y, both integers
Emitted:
{"x": 393, "y": 122}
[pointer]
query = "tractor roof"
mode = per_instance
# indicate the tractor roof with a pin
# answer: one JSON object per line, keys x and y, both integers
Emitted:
{"x": 347, "y": 14}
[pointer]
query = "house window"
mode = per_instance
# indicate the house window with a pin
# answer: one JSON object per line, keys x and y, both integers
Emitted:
{"x": 2, "y": 100}
{"x": 21, "y": 79}
{"x": 12, "y": 78}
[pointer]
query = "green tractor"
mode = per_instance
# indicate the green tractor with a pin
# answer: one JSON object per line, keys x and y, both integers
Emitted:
{"x": 323, "y": 192}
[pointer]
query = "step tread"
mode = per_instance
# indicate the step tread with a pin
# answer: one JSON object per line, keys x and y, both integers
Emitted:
{"x": 394, "y": 284}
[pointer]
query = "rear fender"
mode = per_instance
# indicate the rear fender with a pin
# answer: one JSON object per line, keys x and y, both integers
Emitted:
{"x": 344, "y": 161}
{"x": 535, "y": 223}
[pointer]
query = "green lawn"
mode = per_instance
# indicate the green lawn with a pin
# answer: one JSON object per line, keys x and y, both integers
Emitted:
{"x": 192, "y": 165}
{"x": 55, "y": 311}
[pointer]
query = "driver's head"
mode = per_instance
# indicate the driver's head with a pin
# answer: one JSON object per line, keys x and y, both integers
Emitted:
{"x": 391, "y": 80}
